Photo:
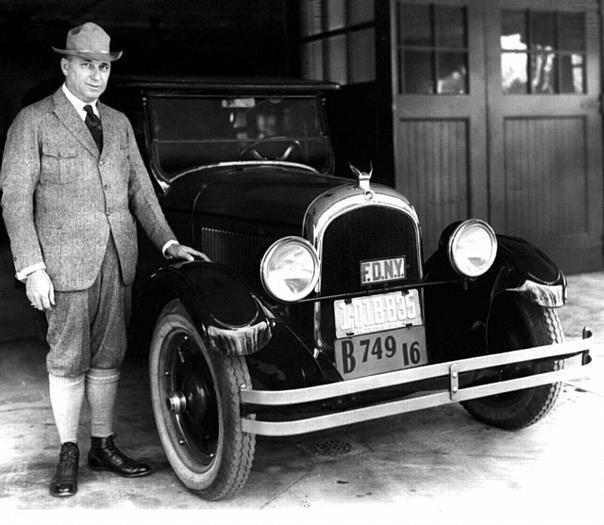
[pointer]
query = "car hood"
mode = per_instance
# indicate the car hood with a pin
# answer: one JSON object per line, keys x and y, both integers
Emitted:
{"x": 272, "y": 193}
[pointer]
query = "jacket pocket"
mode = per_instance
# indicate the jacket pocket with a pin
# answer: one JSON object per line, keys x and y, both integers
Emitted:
{"x": 59, "y": 164}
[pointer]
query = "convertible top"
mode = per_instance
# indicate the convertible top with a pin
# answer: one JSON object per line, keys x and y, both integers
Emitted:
{"x": 223, "y": 85}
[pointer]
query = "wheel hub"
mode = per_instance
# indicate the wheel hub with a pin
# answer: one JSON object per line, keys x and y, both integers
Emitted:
{"x": 196, "y": 397}
{"x": 192, "y": 399}
{"x": 176, "y": 402}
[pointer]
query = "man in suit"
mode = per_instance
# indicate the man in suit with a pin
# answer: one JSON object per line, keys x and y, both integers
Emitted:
{"x": 73, "y": 182}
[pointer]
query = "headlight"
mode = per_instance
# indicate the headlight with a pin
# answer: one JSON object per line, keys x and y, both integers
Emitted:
{"x": 472, "y": 248}
{"x": 290, "y": 269}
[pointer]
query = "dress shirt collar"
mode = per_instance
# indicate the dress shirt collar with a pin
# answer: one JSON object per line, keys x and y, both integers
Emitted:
{"x": 79, "y": 105}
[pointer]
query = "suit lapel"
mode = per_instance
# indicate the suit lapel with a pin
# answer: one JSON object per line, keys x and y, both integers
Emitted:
{"x": 110, "y": 130}
{"x": 68, "y": 115}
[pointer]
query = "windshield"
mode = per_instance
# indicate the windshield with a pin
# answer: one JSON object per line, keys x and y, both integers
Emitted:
{"x": 188, "y": 132}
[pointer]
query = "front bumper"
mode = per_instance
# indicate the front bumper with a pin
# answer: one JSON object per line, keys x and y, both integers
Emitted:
{"x": 575, "y": 355}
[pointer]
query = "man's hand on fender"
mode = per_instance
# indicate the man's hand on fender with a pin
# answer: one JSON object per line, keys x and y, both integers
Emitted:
{"x": 40, "y": 290}
{"x": 180, "y": 251}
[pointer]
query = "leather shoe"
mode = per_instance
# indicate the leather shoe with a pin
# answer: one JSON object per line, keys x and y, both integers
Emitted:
{"x": 104, "y": 455}
{"x": 65, "y": 481}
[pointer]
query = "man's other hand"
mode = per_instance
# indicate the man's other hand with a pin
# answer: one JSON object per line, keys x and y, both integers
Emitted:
{"x": 180, "y": 251}
{"x": 40, "y": 290}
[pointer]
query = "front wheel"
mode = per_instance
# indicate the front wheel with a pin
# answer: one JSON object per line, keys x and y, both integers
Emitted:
{"x": 515, "y": 323}
{"x": 195, "y": 398}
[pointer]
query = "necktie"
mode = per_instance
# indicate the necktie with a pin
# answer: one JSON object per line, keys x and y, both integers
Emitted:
{"x": 94, "y": 125}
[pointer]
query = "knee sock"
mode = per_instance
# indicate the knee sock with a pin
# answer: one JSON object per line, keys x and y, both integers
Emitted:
{"x": 66, "y": 396}
{"x": 101, "y": 391}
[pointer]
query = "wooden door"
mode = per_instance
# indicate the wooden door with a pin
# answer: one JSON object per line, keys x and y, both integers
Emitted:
{"x": 544, "y": 127}
{"x": 497, "y": 116}
{"x": 439, "y": 125}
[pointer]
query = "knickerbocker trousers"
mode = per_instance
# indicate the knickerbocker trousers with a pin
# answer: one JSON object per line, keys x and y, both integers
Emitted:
{"x": 87, "y": 328}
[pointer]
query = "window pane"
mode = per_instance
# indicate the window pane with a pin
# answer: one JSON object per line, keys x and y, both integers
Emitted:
{"x": 362, "y": 56}
{"x": 555, "y": 55}
{"x": 452, "y": 73}
{"x": 310, "y": 17}
{"x": 513, "y": 73}
{"x": 543, "y": 73}
{"x": 312, "y": 60}
{"x": 578, "y": 62}
{"x": 572, "y": 31}
{"x": 450, "y": 27}
{"x": 416, "y": 25}
{"x": 335, "y": 14}
{"x": 542, "y": 32}
{"x": 336, "y": 56}
{"x": 571, "y": 74}
{"x": 417, "y": 72}
{"x": 360, "y": 11}
{"x": 513, "y": 30}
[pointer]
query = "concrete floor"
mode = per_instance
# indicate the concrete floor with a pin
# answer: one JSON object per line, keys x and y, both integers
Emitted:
{"x": 434, "y": 463}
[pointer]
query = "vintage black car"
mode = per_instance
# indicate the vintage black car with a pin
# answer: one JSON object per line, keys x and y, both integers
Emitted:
{"x": 318, "y": 308}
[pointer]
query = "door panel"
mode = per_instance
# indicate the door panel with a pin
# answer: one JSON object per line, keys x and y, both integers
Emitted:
{"x": 545, "y": 165}
{"x": 545, "y": 178}
{"x": 434, "y": 158}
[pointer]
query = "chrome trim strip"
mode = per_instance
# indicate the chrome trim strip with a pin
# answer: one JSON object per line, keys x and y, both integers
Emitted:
{"x": 428, "y": 400}
{"x": 509, "y": 385}
{"x": 333, "y": 203}
{"x": 246, "y": 163}
{"x": 400, "y": 377}
{"x": 302, "y": 426}
{"x": 387, "y": 287}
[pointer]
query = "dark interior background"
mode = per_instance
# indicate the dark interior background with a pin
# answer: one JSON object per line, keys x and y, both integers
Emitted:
{"x": 202, "y": 37}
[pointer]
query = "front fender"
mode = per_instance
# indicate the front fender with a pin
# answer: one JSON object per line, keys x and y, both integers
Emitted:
{"x": 457, "y": 316}
{"x": 520, "y": 267}
{"x": 524, "y": 269}
{"x": 228, "y": 315}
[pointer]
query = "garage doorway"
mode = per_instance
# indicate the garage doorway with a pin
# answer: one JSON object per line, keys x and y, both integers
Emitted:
{"x": 497, "y": 115}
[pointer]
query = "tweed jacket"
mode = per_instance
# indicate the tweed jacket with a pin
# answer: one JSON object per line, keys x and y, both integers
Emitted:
{"x": 61, "y": 199}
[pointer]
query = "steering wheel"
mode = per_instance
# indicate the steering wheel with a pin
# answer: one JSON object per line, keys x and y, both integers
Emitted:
{"x": 271, "y": 139}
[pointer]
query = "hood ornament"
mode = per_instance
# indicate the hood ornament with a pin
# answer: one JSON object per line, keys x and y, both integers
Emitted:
{"x": 363, "y": 178}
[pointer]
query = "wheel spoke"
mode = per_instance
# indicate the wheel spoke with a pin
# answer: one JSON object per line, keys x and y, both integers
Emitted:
{"x": 183, "y": 350}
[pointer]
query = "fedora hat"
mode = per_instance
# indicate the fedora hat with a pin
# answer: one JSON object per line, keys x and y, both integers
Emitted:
{"x": 88, "y": 41}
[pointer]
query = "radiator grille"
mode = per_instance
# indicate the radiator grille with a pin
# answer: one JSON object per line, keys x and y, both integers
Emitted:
{"x": 370, "y": 232}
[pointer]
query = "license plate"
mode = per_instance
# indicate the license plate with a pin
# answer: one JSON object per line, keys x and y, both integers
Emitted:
{"x": 370, "y": 354}
{"x": 375, "y": 313}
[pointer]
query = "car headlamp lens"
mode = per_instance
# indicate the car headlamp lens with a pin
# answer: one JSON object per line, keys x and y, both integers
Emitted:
{"x": 290, "y": 269}
{"x": 472, "y": 248}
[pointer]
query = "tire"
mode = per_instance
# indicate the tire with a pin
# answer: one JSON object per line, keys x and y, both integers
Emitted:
{"x": 195, "y": 398}
{"x": 515, "y": 323}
